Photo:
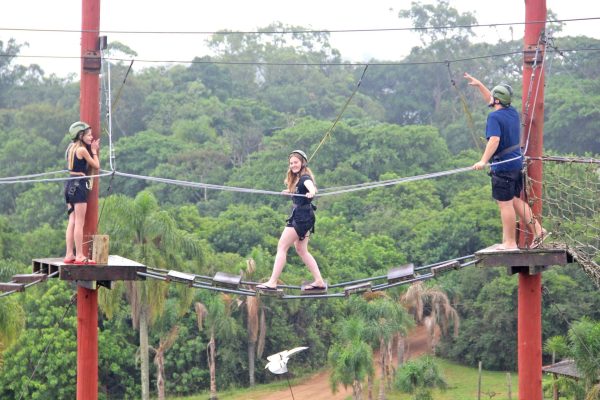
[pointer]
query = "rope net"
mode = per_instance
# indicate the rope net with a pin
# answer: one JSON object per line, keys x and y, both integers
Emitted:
{"x": 571, "y": 211}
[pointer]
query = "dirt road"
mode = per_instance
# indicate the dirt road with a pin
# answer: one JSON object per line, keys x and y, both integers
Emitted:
{"x": 317, "y": 387}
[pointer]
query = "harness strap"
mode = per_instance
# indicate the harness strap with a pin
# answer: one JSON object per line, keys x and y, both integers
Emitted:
{"x": 507, "y": 150}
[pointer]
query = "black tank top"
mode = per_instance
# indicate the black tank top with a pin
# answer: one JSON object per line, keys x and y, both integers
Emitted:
{"x": 79, "y": 165}
{"x": 301, "y": 189}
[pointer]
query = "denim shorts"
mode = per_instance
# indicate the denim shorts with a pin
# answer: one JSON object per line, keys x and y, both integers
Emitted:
{"x": 506, "y": 185}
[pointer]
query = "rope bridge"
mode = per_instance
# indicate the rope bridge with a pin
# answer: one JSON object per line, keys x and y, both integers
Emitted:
{"x": 571, "y": 195}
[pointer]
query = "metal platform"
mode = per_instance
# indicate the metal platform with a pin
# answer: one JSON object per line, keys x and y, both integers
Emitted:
{"x": 116, "y": 269}
{"x": 532, "y": 261}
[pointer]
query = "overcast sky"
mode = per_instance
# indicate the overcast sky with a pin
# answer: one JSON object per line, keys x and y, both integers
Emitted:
{"x": 246, "y": 15}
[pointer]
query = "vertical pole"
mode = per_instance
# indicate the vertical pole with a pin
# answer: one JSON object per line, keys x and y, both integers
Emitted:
{"x": 530, "y": 286}
{"x": 87, "y": 300}
{"x": 479, "y": 382}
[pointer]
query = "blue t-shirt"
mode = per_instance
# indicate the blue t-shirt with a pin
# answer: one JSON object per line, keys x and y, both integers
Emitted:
{"x": 505, "y": 123}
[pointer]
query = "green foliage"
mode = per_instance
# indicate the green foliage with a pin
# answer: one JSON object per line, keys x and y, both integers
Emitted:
{"x": 419, "y": 377}
{"x": 351, "y": 357}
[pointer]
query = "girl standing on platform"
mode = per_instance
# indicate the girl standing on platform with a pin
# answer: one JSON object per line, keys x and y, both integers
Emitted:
{"x": 81, "y": 154}
{"x": 300, "y": 184}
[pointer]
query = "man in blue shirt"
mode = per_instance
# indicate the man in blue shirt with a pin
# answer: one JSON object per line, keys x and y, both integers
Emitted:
{"x": 503, "y": 149}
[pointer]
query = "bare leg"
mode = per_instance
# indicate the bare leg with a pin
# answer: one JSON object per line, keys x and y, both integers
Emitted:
{"x": 80, "y": 209}
{"x": 69, "y": 238}
{"x": 508, "y": 217}
{"x": 526, "y": 216}
{"x": 309, "y": 261}
{"x": 288, "y": 237}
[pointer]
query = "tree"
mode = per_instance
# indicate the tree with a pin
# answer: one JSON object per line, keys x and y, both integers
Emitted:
{"x": 384, "y": 319}
{"x": 255, "y": 321}
{"x": 159, "y": 359}
{"x": 350, "y": 357}
{"x": 216, "y": 313}
{"x": 584, "y": 342}
{"x": 418, "y": 377}
{"x": 142, "y": 232}
{"x": 439, "y": 312}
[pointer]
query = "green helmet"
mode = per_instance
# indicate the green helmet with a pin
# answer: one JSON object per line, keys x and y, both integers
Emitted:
{"x": 77, "y": 127}
{"x": 503, "y": 93}
{"x": 300, "y": 153}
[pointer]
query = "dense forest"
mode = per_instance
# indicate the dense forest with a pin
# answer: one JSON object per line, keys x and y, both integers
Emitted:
{"x": 231, "y": 119}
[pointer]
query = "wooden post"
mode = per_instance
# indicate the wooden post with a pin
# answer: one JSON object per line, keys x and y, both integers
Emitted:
{"x": 509, "y": 383}
{"x": 530, "y": 286}
{"x": 100, "y": 249}
{"x": 479, "y": 383}
{"x": 87, "y": 299}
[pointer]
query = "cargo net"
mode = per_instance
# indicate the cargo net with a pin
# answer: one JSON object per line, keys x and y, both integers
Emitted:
{"x": 571, "y": 208}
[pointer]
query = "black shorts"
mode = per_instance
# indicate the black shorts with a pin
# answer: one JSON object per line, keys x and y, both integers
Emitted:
{"x": 506, "y": 185}
{"x": 76, "y": 191}
{"x": 303, "y": 221}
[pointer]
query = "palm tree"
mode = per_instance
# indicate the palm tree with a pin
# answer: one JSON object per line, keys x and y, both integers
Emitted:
{"x": 216, "y": 313}
{"x": 159, "y": 359}
{"x": 557, "y": 345}
{"x": 351, "y": 357}
{"x": 255, "y": 324}
{"x": 441, "y": 313}
{"x": 384, "y": 319}
{"x": 584, "y": 343}
{"x": 142, "y": 232}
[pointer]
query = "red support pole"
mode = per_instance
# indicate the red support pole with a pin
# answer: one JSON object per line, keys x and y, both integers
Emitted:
{"x": 87, "y": 300}
{"x": 530, "y": 286}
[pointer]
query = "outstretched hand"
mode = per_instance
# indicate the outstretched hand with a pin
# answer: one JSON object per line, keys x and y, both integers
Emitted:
{"x": 472, "y": 80}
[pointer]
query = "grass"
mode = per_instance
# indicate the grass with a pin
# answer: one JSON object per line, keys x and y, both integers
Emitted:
{"x": 462, "y": 385}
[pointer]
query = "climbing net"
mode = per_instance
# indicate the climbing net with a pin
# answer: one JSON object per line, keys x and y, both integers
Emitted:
{"x": 571, "y": 211}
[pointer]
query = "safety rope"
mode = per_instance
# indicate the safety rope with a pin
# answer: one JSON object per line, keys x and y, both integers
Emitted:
{"x": 328, "y": 133}
{"x": 466, "y": 109}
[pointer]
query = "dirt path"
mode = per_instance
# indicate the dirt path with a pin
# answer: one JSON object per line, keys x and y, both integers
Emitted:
{"x": 317, "y": 387}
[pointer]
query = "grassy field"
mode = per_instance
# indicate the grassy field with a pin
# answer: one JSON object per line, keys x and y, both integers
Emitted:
{"x": 462, "y": 385}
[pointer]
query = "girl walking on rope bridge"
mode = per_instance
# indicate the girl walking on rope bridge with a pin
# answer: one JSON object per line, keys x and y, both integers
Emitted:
{"x": 81, "y": 154}
{"x": 503, "y": 132}
{"x": 300, "y": 184}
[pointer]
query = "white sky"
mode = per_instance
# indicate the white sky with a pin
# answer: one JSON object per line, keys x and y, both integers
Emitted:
{"x": 247, "y": 15}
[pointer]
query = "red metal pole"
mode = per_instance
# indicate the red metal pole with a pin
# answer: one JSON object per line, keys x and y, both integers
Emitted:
{"x": 87, "y": 300}
{"x": 530, "y": 286}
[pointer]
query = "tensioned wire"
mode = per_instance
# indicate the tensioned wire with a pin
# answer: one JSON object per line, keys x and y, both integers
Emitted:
{"x": 283, "y": 32}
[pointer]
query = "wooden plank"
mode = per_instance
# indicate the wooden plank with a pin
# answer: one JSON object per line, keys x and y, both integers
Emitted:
{"x": 117, "y": 269}
{"x": 438, "y": 269}
{"x": 402, "y": 273}
{"x": 304, "y": 291}
{"x": 357, "y": 288}
{"x": 225, "y": 280}
{"x": 270, "y": 293}
{"x": 524, "y": 259}
{"x": 28, "y": 278}
{"x": 11, "y": 286}
{"x": 181, "y": 277}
